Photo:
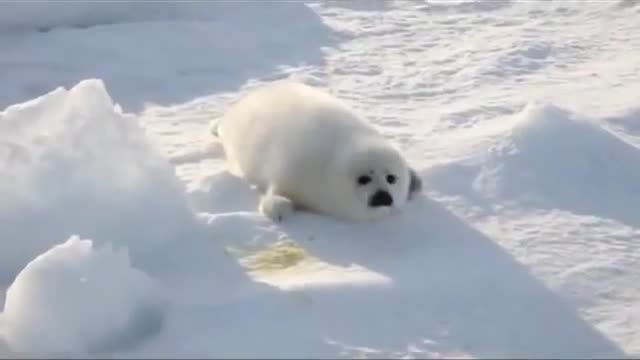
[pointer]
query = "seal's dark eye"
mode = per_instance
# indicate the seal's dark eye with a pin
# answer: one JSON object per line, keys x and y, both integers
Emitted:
{"x": 364, "y": 180}
{"x": 391, "y": 179}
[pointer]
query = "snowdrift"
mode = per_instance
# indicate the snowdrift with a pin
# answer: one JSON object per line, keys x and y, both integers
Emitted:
{"x": 75, "y": 298}
{"x": 559, "y": 159}
{"x": 552, "y": 158}
{"x": 74, "y": 166}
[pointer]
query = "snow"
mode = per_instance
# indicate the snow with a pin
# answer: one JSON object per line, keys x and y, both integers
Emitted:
{"x": 74, "y": 163}
{"x": 559, "y": 156}
{"x": 21, "y": 15}
{"x": 521, "y": 118}
{"x": 73, "y": 297}
{"x": 178, "y": 55}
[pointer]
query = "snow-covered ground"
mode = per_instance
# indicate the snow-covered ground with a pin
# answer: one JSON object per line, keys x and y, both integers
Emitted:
{"x": 122, "y": 234}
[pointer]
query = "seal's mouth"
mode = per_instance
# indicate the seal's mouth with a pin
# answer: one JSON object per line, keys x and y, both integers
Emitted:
{"x": 381, "y": 198}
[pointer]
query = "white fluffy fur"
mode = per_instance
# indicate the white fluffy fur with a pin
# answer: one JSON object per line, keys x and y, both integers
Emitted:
{"x": 303, "y": 148}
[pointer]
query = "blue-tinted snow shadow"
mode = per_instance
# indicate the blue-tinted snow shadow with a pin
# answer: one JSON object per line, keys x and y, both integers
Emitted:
{"x": 166, "y": 62}
{"x": 453, "y": 289}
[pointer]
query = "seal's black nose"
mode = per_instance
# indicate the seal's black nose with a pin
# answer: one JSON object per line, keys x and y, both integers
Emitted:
{"x": 380, "y": 198}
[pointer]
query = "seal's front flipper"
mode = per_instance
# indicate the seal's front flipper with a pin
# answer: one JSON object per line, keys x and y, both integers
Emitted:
{"x": 275, "y": 207}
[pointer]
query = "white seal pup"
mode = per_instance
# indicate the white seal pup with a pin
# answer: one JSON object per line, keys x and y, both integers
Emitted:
{"x": 305, "y": 149}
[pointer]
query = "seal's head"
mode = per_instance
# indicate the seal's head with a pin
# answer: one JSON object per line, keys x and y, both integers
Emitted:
{"x": 381, "y": 180}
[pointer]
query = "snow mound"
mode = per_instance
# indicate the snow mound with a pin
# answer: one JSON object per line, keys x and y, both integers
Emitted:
{"x": 73, "y": 163}
{"x": 561, "y": 159}
{"x": 77, "y": 296}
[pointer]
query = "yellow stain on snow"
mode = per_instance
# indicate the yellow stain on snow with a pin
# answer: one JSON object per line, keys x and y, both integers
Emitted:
{"x": 287, "y": 265}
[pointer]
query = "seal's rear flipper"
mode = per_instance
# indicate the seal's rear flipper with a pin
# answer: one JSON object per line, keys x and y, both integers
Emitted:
{"x": 415, "y": 184}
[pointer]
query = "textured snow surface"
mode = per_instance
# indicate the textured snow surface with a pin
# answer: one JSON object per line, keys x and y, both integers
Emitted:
{"x": 122, "y": 234}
